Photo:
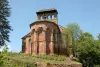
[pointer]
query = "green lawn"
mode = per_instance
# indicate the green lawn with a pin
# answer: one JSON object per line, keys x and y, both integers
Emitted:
{"x": 24, "y": 60}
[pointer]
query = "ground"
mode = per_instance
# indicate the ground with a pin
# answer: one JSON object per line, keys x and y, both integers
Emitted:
{"x": 24, "y": 60}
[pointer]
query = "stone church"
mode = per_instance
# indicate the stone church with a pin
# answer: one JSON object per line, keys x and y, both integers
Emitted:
{"x": 45, "y": 36}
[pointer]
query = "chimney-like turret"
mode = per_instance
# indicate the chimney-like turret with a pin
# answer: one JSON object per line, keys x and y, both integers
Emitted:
{"x": 48, "y": 14}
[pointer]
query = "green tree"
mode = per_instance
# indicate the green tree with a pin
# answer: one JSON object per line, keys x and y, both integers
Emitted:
{"x": 5, "y": 49}
{"x": 67, "y": 40}
{"x": 75, "y": 32}
{"x": 5, "y": 27}
{"x": 88, "y": 50}
{"x": 75, "y": 29}
{"x": 98, "y": 36}
{"x": 1, "y": 60}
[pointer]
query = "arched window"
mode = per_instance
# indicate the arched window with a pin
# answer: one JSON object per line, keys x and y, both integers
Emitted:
{"x": 40, "y": 34}
{"x": 40, "y": 17}
{"x": 40, "y": 31}
{"x": 30, "y": 41}
{"x": 45, "y": 17}
{"x": 33, "y": 30}
{"x": 53, "y": 17}
{"x": 48, "y": 17}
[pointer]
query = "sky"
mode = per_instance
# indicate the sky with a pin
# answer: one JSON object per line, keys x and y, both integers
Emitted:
{"x": 23, "y": 12}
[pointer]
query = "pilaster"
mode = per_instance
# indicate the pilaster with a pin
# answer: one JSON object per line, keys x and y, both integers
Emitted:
{"x": 35, "y": 42}
{"x": 52, "y": 44}
{"x": 44, "y": 42}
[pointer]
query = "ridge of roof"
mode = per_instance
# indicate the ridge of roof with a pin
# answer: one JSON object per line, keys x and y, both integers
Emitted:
{"x": 50, "y": 9}
{"x": 61, "y": 26}
{"x": 27, "y": 35}
{"x": 47, "y": 10}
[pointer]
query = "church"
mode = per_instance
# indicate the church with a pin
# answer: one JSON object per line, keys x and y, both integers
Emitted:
{"x": 45, "y": 36}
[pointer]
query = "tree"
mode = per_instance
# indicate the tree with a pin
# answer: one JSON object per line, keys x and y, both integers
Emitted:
{"x": 5, "y": 27}
{"x": 5, "y": 49}
{"x": 98, "y": 36}
{"x": 67, "y": 40}
{"x": 88, "y": 50}
{"x": 75, "y": 31}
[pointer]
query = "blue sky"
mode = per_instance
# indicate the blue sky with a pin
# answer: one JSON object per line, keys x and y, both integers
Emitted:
{"x": 84, "y": 12}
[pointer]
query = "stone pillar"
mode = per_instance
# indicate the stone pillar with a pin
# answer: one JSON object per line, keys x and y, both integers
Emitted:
{"x": 27, "y": 45}
{"x": 44, "y": 42}
{"x": 38, "y": 17}
{"x": 52, "y": 45}
{"x": 47, "y": 16}
{"x": 58, "y": 42}
{"x": 55, "y": 16}
{"x": 42, "y": 16}
{"x": 32, "y": 40}
{"x": 51, "y": 17}
{"x": 35, "y": 42}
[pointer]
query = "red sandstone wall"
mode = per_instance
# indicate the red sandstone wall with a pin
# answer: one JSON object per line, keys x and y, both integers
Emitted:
{"x": 38, "y": 39}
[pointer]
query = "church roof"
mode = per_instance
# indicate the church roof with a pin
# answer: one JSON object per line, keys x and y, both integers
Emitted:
{"x": 39, "y": 21}
{"x": 26, "y": 36}
{"x": 47, "y": 10}
{"x": 61, "y": 28}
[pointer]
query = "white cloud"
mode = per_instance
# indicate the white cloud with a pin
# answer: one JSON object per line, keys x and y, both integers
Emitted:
{"x": 1, "y": 48}
{"x": 9, "y": 48}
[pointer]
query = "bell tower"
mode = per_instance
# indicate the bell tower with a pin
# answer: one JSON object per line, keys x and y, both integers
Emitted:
{"x": 48, "y": 15}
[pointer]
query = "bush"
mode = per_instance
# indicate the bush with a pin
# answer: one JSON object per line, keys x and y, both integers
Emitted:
{"x": 15, "y": 60}
{"x": 26, "y": 60}
{"x": 50, "y": 57}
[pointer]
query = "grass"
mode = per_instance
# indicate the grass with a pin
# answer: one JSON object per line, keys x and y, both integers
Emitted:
{"x": 56, "y": 59}
{"x": 26, "y": 60}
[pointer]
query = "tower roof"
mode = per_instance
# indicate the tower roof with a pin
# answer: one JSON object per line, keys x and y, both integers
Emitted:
{"x": 47, "y": 10}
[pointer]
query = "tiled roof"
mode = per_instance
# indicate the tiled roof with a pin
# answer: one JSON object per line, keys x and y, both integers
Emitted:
{"x": 51, "y": 9}
{"x": 47, "y": 10}
{"x": 26, "y": 36}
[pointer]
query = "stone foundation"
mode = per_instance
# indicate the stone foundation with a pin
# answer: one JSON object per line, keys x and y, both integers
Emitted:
{"x": 59, "y": 65}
